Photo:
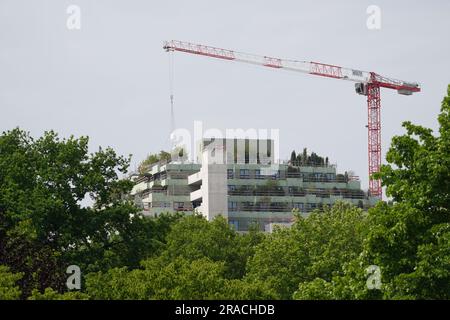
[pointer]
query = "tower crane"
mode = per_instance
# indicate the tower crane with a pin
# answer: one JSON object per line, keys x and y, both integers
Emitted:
{"x": 366, "y": 83}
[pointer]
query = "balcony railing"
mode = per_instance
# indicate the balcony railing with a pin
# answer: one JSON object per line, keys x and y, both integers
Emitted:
{"x": 179, "y": 175}
{"x": 183, "y": 209}
{"x": 347, "y": 194}
{"x": 247, "y": 208}
{"x": 258, "y": 208}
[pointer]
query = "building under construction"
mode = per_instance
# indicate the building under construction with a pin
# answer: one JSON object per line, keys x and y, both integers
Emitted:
{"x": 251, "y": 189}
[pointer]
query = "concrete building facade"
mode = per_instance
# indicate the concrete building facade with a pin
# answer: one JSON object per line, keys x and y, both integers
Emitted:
{"x": 248, "y": 188}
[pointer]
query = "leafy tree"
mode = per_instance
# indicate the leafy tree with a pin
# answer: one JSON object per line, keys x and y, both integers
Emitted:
{"x": 317, "y": 289}
{"x": 176, "y": 279}
{"x": 44, "y": 227}
{"x": 9, "y": 290}
{"x": 409, "y": 238}
{"x": 154, "y": 158}
{"x": 293, "y": 157}
{"x": 50, "y": 294}
{"x": 163, "y": 224}
{"x": 39, "y": 264}
{"x": 315, "y": 247}
{"x": 279, "y": 262}
{"x": 419, "y": 167}
{"x": 237, "y": 289}
{"x": 410, "y": 242}
{"x": 147, "y": 162}
{"x": 164, "y": 156}
{"x": 117, "y": 284}
{"x": 195, "y": 238}
{"x": 350, "y": 283}
{"x": 304, "y": 159}
{"x": 198, "y": 260}
{"x": 184, "y": 279}
{"x": 44, "y": 224}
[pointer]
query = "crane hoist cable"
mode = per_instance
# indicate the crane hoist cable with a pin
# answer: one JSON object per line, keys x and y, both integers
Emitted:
{"x": 171, "y": 93}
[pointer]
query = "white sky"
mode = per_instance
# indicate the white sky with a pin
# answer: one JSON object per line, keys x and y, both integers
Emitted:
{"x": 110, "y": 80}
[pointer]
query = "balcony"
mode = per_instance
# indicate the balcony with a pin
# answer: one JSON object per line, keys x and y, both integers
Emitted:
{"x": 196, "y": 195}
{"x": 195, "y": 179}
{"x": 184, "y": 208}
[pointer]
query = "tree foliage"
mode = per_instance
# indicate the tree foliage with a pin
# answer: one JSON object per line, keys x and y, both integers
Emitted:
{"x": 305, "y": 159}
{"x": 151, "y": 159}
{"x": 195, "y": 238}
{"x": 9, "y": 290}
{"x": 409, "y": 238}
{"x": 313, "y": 248}
{"x": 45, "y": 225}
{"x": 50, "y": 294}
{"x": 410, "y": 241}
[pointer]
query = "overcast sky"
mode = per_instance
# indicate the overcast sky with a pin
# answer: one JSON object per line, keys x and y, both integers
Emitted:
{"x": 110, "y": 79}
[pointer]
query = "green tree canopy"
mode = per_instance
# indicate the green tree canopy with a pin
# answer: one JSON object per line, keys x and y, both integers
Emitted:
{"x": 409, "y": 238}
{"x": 195, "y": 238}
{"x": 155, "y": 158}
{"x": 179, "y": 278}
{"x": 46, "y": 223}
{"x": 9, "y": 290}
{"x": 314, "y": 247}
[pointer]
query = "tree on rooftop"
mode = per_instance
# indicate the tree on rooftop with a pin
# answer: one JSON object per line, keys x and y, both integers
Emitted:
{"x": 145, "y": 165}
{"x": 293, "y": 157}
{"x": 304, "y": 159}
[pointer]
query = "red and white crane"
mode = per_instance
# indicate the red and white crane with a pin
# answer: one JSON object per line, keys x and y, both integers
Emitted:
{"x": 367, "y": 83}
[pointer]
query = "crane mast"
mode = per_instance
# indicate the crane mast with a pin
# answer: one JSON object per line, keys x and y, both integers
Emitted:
{"x": 366, "y": 83}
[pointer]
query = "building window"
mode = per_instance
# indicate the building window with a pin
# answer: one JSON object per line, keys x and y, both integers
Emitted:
{"x": 298, "y": 205}
{"x": 230, "y": 173}
{"x": 160, "y": 205}
{"x": 232, "y": 205}
{"x": 231, "y": 188}
{"x": 244, "y": 174}
{"x": 264, "y": 205}
{"x": 234, "y": 224}
{"x": 276, "y": 176}
{"x": 178, "y": 205}
{"x": 311, "y": 206}
{"x": 258, "y": 174}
